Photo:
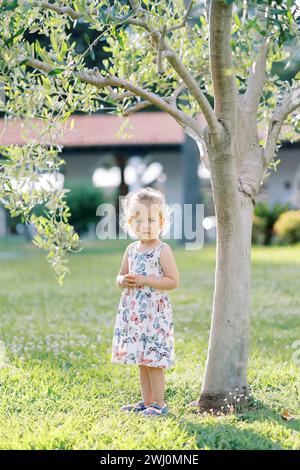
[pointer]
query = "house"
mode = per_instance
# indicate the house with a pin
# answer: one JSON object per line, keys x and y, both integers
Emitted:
{"x": 154, "y": 150}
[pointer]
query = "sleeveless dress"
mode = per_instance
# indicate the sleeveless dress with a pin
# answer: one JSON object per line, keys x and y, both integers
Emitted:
{"x": 144, "y": 330}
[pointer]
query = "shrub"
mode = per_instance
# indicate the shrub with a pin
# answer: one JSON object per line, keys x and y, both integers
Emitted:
{"x": 83, "y": 200}
{"x": 263, "y": 221}
{"x": 258, "y": 230}
{"x": 287, "y": 227}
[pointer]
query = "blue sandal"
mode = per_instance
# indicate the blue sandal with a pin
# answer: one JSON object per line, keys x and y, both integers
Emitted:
{"x": 139, "y": 406}
{"x": 155, "y": 410}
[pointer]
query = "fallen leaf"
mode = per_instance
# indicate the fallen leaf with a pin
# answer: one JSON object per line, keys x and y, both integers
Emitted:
{"x": 287, "y": 416}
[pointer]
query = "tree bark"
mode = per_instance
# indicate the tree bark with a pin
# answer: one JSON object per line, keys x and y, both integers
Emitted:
{"x": 123, "y": 188}
{"x": 226, "y": 366}
{"x": 236, "y": 171}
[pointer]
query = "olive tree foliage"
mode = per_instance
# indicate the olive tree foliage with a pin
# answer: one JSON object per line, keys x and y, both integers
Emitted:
{"x": 162, "y": 54}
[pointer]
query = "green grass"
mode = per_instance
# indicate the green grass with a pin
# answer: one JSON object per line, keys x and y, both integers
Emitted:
{"x": 59, "y": 389}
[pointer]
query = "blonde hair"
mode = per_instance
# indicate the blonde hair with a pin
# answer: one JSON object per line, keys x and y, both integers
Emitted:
{"x": 145, "y": 196}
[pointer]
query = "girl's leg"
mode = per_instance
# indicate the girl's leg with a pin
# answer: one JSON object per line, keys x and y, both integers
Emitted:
{"x": 157, "y": 380}
{"x": 145, "y": 385}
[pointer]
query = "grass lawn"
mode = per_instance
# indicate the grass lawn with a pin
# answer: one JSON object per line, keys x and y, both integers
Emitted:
{"x": 59, "y": 389}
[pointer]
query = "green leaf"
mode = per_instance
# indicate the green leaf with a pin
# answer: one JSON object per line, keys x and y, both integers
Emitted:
{"x": 92, "y": 54}
{"x": 9, "y": 5}
{"x": 87, "y": 38}
{"x": 10, "y": 41}
{"x": 120, "y": 39}
{"x": 56, "y": 71}
{"x": 237, "y": 20}
{"x": 22, "y": 62}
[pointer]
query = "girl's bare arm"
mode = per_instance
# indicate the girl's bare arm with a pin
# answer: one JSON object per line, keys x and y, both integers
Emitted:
{"x": 123, "y": 272}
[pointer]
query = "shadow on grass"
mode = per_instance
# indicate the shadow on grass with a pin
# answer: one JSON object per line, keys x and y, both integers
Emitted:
{"x": 221, "y": 436}
{"x": 227, "y": 436}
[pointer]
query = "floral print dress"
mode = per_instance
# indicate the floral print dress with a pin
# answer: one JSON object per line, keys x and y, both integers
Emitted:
{"x": 144, "y": 330}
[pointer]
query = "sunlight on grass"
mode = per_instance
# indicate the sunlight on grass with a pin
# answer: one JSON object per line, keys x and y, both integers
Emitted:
{"x": 59, "y": 389}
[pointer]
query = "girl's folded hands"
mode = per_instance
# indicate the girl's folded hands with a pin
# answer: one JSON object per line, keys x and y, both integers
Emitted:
{"x": 131, "y": 280}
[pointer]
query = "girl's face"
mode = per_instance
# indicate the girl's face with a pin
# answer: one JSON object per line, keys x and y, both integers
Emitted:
{"x": 146, "y": 221}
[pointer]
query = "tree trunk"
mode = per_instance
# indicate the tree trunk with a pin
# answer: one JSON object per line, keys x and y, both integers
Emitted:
{"x": 123, "y": 188}
{"x": 226, "y": 366}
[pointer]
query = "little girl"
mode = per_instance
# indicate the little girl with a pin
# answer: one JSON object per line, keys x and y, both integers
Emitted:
{"x": 144, "y": 331}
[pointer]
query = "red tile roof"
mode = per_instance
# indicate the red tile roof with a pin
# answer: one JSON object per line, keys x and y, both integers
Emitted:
{"x": 101, "y": 129}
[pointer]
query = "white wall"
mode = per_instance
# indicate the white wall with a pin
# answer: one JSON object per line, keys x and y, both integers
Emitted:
{"x": 81, "y": 164}
{"x": 171, "y": 162}
{"x": 84, "y": 164}
{"x": 274, "y": 188}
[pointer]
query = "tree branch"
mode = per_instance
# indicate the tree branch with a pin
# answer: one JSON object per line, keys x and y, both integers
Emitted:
{"x": 62, "y": 10}
{"x": 289, "y": 103}
{"x": 207, "y": 10}
{"x": 94, "y": 77}
{"x": 75, "y": 15}
{"x": 145, "y": 104}
{"x": 177, "y": 93}
{"x": 213, "y": 124}
{"x": 160, "y": 49}
{"x": 119, "y": 96}
{"x": 137, "y": 107}
{"x": 223, "y": 78}
{"x": 256, "y": 78}
{"x": 257, "y": 70}
{"x": 190, "y": 82}
{"x": 184, "y": 21}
